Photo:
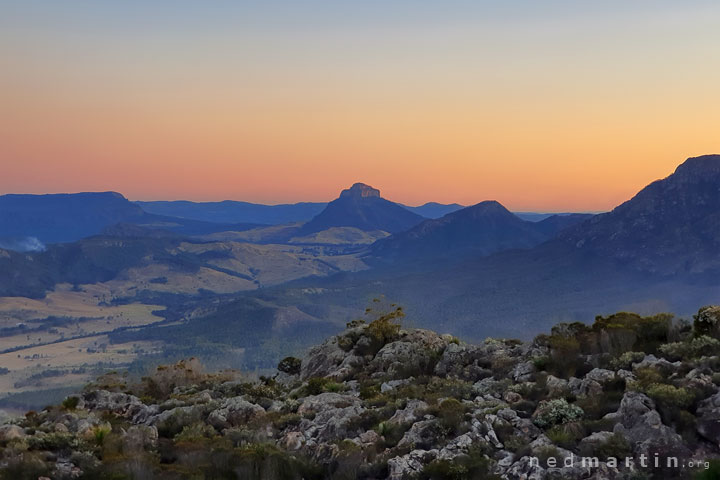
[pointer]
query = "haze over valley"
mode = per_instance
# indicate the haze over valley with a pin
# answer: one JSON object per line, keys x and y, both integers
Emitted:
{"x": 111, "y": 282}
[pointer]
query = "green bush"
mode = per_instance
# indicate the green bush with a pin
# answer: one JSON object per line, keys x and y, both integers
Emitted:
{"x": 707, "y": 321}
{"x": 564, "y": 356}
{"x": 71, "y": 403}
{"x": 474, "y": 465}
{"x": 626, "y": 359}
{"x": 290, "y": 365}
{"x": 627, "y": 331}
{"x": 318, "y": 385}
{"x": 451, "y": 414}
{"x": 615, "y": 447}
{"x": 556, "y": 412}
{"x": 670, "y": 396}
{"x": 386, "y": 327}
{"x": 697, "y": 347}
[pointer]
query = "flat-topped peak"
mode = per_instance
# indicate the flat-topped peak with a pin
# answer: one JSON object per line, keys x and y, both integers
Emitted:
{"x": 360, "y": 190}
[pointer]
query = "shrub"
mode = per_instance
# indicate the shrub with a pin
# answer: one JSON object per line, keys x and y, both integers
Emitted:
{"x": 391, "y": 433}
{"x": 625, "y": 331}
{"x": 451, "y": 414}
{"x": 707, "y": 321}
{"x": 695, "y": 348}
{"x": 288, "y": 420}
{"x": 625, "y": 360}
{"x": 71, "y": 403}
{"x": 556, "y": 412}
{"x": 265, "y": 461}
{"x": 290, "y": 365}
{"x": 195, "y": 433}
{"x": 560, "y": 437}
{"x": 711, "y": 473}
{"x": 53, "y": 441}
{"x": 564, "y": 356}
{"x": 614, "y": 447}
{"x": 25, "y": 466}
{"x": 386, "y": 327}
{"x": 318, "y": 385}
{"x": 475, "y": 464}
{"x": 547, "y": 452}
{"x": 166, "y": 378}
{"x": 670, "y": 396}
{"x": 99, "y": 433}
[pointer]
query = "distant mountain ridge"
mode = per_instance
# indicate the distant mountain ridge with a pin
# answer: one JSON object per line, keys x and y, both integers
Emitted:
{"x": 481, "y": 229}
{"x": 671, "y": 226}
{"x": 64, "y": 217}
{"x": 435, "y": 209}
{"x": 230, "y": 211}
{"x": 61, "y": 218}
{"x": 361, "y": 206}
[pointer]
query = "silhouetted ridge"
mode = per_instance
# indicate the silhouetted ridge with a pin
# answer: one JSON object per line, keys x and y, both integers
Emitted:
{"x": 361, "y": 206}
{"x": 480, "y": 229}
{"x": 670, "y": 226}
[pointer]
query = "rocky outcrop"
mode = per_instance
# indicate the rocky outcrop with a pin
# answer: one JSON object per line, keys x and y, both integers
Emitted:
{"x": 639, "y": 422}
{"x": 383, "y": 403}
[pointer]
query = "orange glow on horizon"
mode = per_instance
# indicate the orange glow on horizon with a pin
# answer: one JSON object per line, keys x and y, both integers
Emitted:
{"x": 537, "y": 115}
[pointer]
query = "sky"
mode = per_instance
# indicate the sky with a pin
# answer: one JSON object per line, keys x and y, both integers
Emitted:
{"x": 545, "y": 106}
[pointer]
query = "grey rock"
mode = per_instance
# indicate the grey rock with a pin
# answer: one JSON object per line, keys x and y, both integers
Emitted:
{"x": 557, "y": 387}
{"x": 393, "y": 384}
{"x": 523, "y": 372}
{"x": 415, "y": 349}
{"x": 651, "y": 361}
{"x": 322, "y": 360}
{"x": 525, "y": 469}
{"x": 463, "y": 361}
{"x": 11, "y": 432}
{"x": 292, "y": 441}
{"x": 327, "y": 400}
{"x": 234, "y": 412}
{"x": 708, "y": 418}
{"x": 410, "y": 414}
{"x": 122, "y": 404}
{"x": 422, "y": 434}
{"x": 410, "y": 465}
{"x": 641, "y": 425}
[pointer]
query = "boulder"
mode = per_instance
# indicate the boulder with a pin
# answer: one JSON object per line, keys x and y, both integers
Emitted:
{"x": 422, "y": 434}
{"x": 122, "y": 404}
{"x": 651, "y": 361}
{"x": 410, "y": 465}
{"x": 642, "y": 427}
{"x": 11, "y": 432}
{"x": 523, "y": 372}
{"x": 414, "y": 350}
{"x": 234, "y": 412}
{"x": 325, "y": 401}
{"x": 556, "y": 387}
{"x": 708, "y": 418}
{"x": 463, "y": 361}
{"x": 413, "y": 410}
{"x": 322, "y": 360}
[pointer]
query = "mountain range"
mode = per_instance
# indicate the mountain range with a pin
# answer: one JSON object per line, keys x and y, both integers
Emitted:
{"x": 481, "y": 229}
{"x": 475, "y": 272}
{"x": 59, "y": 218}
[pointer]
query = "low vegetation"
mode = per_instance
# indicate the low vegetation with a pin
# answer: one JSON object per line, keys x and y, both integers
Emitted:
{"x": 381, "y": 401}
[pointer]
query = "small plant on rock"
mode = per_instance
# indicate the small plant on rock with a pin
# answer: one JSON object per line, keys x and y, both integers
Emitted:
{"x": 556, "y": 412}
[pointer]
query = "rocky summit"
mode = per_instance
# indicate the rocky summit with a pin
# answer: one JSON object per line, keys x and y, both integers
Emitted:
{"x": 362, "y": 207}
{"x": 626, "y": 397}
{"x": 360, "y": 190}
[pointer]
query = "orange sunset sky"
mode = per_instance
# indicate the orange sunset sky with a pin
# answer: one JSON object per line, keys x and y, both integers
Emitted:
{"x": 547, "y": 106}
